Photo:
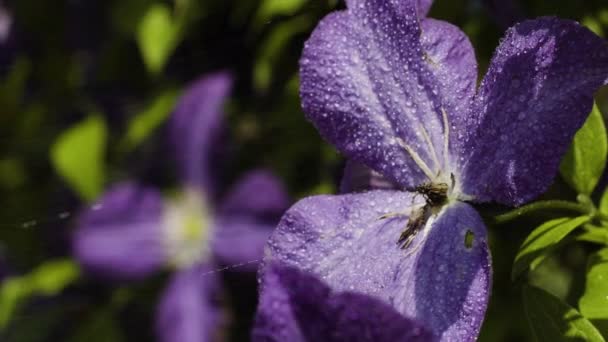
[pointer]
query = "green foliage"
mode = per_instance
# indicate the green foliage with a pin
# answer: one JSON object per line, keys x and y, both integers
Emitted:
{"x": 272, "y": 48}
{"x": 100, "y": 326}
{"x": 271, "y": 8}
{"x": 555, "y": 321}
{"x": 594, "y": 234}
{"x": 157, "y": 35}
{"x": 144, "y": 123}
{"x": 46, "y": 280}
{"x": 584, "y": 163}
{"x": 78, "y": 156}
{"x": 594, "y": 302}
{"x": 603, "y": 208}
{"x": 542, "y": 241}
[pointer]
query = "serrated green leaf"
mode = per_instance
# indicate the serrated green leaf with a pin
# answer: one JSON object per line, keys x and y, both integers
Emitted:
{"x": 145, "y": 122}
{"x": 584, "y": 163}
{"x": 46, "y": 280}
{"x": 555, "y": 321}
{"x": 594, "y": 302}
{"x": 542, "y": 241}
{"x": 78, "y": 156}
{"x": 157, "y": 36}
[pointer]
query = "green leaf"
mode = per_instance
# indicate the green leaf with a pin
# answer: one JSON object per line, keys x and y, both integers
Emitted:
{"x": 584, "y": 163}
{"x": 78, "y": 156}
{"x": 593, "y": 24}
{"x": 100, "y": 326}
{"x": 594, "y": 302}
{"x": 48, "y": 279}
{"x": 273, "y": 48}
{"x": 604, "y": 202}
{"x": 144, "y": 123}
{"x": 553, "y": 320}
{"x": 272, "y": 8}
{"x": 594, "y": 234}
{"x": 542, "y": 241}
{"x": 157, "y": 36}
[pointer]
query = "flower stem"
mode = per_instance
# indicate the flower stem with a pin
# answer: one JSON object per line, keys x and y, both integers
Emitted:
{"x": 541, "y": 205}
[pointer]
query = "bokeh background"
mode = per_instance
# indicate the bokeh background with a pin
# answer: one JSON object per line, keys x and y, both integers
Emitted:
{"x": 121, "y": 64}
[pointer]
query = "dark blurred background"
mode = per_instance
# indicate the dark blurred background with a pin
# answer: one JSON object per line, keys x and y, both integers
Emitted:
{"x": 65, "y": 61}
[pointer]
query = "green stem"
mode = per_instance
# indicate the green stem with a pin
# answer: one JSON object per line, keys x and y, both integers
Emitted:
{"x": 541, "y": 205}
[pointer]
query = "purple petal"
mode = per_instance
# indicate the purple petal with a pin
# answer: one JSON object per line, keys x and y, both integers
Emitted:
{"x": 453, "y": 58}
{"x": 367, "y": 87}
{"x": 120, "y": 236}
{"x": 358, "y": 177}
{"x": 442, "y": 279}
{"x": 189, "y": 309}
{"x": 295, "y": 306}
{"x": 246, "y": 218}
{"x": 239, "y": 243}
{"x": 195, "y": 128}
{"x": 424, "y": 6}
{"x": 536, "y": 95}
{"x": 259, "y": 193}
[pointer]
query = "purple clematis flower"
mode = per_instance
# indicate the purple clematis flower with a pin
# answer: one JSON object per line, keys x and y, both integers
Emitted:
{"x": 313, "y": 312}
{"x": 398, "y": 93}
{"x": 135, "y": 231}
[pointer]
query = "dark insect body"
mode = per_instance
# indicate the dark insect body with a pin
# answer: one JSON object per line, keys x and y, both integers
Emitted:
{"x": 435, "y": 196}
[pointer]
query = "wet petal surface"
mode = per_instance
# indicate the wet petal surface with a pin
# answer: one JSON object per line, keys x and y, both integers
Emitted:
{"x": 537, "y": 93}
{"x": 441, "y": 280}
{"x": 295, "y": 306}
{"x": 453, "y": 62}
{"x": 368, "y": 89}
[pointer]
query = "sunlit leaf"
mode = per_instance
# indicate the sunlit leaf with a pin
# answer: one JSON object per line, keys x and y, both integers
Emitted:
{"x": 157, "y": 36}
{"x": 542, "y": 241}
{"x": 78, "y": 156}
{"x": 593, "y": 24}
{"x": 604, "y": 203}
{"x": 594, "y": 234}
{"x": 46, "y": 280}
{"x": 584, "y": 163}
{"x": 553, "y": 320}
{"x": 594, "y": 302}
{"x": 272, "y": 8}
{"x": 144, "y": 123}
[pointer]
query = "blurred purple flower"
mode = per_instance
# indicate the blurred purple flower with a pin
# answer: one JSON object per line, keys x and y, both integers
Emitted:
{"x": 135, "y": 231}
{"x": 398, "y": 94}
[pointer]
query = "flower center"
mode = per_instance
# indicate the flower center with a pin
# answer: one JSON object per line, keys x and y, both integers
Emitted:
{"x": 186, "y": 229}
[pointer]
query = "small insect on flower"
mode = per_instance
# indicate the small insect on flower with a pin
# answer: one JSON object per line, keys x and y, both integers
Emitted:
{"x": 435, "y": 195}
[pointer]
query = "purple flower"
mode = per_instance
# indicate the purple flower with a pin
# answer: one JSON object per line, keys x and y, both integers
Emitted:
{"x": 311, "y": 311}
{"x": 135, "y": 231}
{"x": 399, "y": 94}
